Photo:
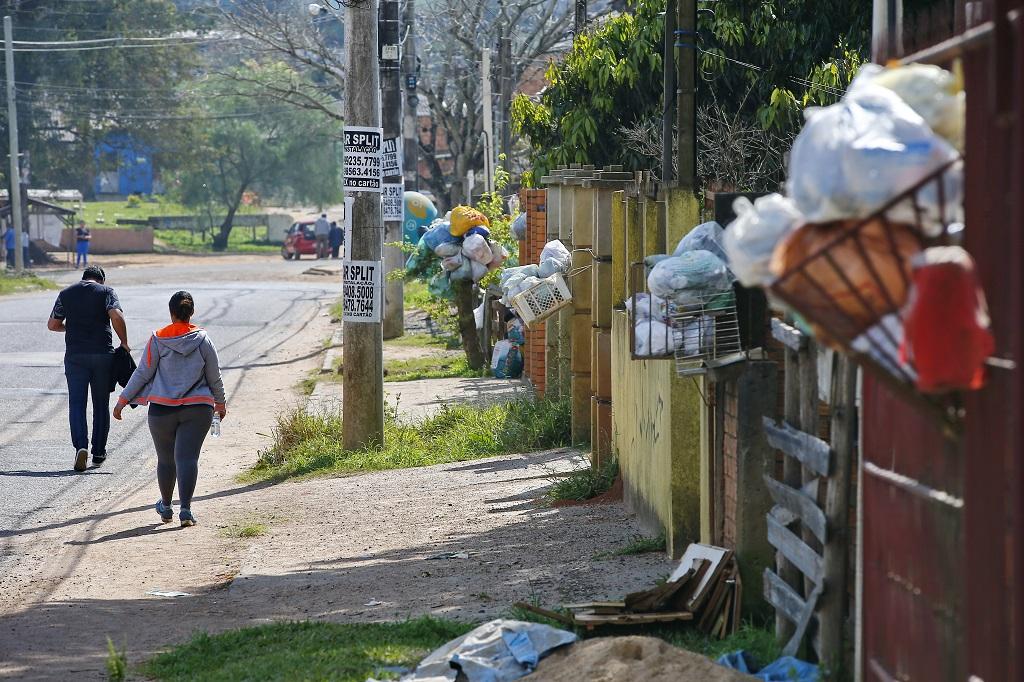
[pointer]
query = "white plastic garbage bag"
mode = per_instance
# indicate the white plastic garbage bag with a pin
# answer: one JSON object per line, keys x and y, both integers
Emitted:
{"x": 478, "y": 316}
{"x": 648, "y": 307}
{"x": 752, "y": 237}
{"x": 698, "y": 335}
{"x": 447, "y": 249}
{"x": 689, "y": 277}
{"x": 476, "y": 248}
{"x": 654, "y": 338}
{"x": 704, "y": 237}
{"x": 554, "y": 257}
{"x": 464, "y": 272}
{"x": 524, "y": 270}
{"x": 452, "y": 263}
{"x": 934, "y": 93}
{"x": 479, "y": 270}
{"x": 853, "y": 157}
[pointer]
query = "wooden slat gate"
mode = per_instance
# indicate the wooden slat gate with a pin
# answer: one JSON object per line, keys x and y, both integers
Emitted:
{"x": 808, "y": 526}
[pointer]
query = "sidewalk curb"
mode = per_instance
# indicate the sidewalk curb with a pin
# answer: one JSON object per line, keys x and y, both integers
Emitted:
{"x": 334, "y": 351}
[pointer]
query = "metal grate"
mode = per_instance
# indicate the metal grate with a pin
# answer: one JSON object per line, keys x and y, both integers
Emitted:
{"x": 706, "y": 333}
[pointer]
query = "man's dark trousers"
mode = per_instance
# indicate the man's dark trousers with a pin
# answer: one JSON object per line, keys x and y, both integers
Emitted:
{"x": 89, "y": 373}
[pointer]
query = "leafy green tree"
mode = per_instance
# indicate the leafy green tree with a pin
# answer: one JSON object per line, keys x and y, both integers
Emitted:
{"x": 251, "y": 144}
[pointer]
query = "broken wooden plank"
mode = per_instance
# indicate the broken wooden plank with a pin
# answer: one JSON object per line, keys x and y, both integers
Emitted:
{"x": 795, "y": 550}
{"x": 809, "y": 450}
{"x": 590, "y": 620}
{"x": 799, "y": 503}
{"x": 801, "y": 627}
{"x": 788, "y": 335}
{"x": 597, "y": 606}
{"x": 783, "y": 597}
{"x": 553, "y": 615}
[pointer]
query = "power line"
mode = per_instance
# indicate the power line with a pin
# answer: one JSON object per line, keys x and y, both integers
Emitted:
{"x": 754, "y": 67}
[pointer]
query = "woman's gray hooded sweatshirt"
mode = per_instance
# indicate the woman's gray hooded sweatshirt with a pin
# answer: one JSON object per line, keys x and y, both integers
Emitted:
{"x": 177, "y": 370}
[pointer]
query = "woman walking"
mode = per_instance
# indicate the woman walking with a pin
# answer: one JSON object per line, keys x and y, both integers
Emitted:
{"x": 179, "y": 378}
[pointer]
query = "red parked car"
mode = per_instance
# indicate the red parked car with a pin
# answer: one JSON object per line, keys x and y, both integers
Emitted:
{"x": 300, "y": 241}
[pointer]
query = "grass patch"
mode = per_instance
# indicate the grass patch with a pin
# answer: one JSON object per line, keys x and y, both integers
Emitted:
{"x": 15, "y": 284}
{"x": 758, "y": 641}
{"x": 308, "y": 384}
{"x": 348, "y": 652}
{"x": 440, "y": 367}
{"x": 310, "y": 443}
{"x": 117, "y": 663}
{"x": 239, "y": 241}
{"x": 426, "y": 341}
{"x": 416, "y": 294}
{"x": 244, "y": 530}
{"x": 642, "y": 545}
{"x": 585, "y": 483}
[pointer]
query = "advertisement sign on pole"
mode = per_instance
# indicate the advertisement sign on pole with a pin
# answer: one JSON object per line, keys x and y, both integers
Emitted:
{"x": 363, "y": 159}
{"x": 392, "y": 201}
{"x": 393, "y": 157}
{"x": 361, "y": 290}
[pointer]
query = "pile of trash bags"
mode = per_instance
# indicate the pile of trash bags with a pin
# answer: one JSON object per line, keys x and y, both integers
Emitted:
{"x": 554, "y": 259}
{"x": 462, "y": 242}
{"x": 855, "y": 161}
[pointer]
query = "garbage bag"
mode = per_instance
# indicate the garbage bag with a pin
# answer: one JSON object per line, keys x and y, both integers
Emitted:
{"x": 440, "y": 286}
{"x": 947, "y": 336}
{"x": 704, "y": 237}
{"x": 419, "y": 260}
{"x": 698, "y": 336}
{"x": 689, "y": 277}
{"x": 554, "y": 257}
{"x": 753, "y": 236}
{"x": 648, "y": 307}
{"x": 452, "y": 263}
{"x": 651, "y": 261}
{"x": 516, "y": 331}
{"x": 519, "y": 227}
{"x": 506, "y": 360}
{"x": 500, "y": 254}
{"x": 476, "y": 248}
{"x": 873, "y": 281}
{"x": 465, "y": 218}
{"x": 480, "y": 230}
{"x": 498, "y": 651}
{"x": 448, "y": 249}
{"x": 934, "y": 93}
{"x": 438, "y": 234}
{"x": 478, "y": 316}
{"x": 464, "y": 271}
{"x": 654, "y": 338}
{"x": 853, "y": 157}
{"x": 478, "y": 270}
{"x": 524, "y": 270}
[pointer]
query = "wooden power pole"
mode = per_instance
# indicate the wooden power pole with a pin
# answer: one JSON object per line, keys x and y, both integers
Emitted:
{"x": 391, "y": 116}
{"x": 363, "y": 397}
{"x": 686, "y": 98}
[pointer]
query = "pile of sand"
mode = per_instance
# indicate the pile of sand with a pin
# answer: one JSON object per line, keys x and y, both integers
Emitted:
{"x": 630, "y": 659}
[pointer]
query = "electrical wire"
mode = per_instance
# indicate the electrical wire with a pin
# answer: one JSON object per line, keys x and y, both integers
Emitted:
{"x": 754, "y": 67}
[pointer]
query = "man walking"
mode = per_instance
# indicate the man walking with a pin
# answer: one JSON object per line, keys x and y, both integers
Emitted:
{"x": 85, "y": 312}
{"x": 337, "y": 239}
{"x": 9, "y": 242}
{"x": 322, "y": 230}
{"x": 82, "y": 238}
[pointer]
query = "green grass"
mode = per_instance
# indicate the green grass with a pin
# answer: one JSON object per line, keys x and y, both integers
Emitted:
{"x": 100, "y": 214}
{"x": 585, "y": 483}
{"x": 117, "y": 663}
{"x": 758, "y": 641}
{"x": 426, "y": 341}
{"x": 349, "y": 652}
{"x": 15, "y": 284}
{"x": 439, "y": 367}
{"x": 310, "y": 444}
{"x": 239, "y": 241}
{"x": 642, "y": 545}
{"x": 244, "y": 530}
{"x": 416, "y": 295}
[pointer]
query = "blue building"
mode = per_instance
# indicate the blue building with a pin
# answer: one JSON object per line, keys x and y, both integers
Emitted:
{"x": 123, "y": 167}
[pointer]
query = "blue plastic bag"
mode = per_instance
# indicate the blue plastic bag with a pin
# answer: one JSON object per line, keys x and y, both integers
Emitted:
{"x": 519, "y": 227}
{"x": 785, "y": 669}
{"x": 438, "y": 234}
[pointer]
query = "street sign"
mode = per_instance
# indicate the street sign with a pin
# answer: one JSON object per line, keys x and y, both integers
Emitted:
{"x": 361, "y": 290}
{"x": 392, "y": 157}
{"x": 392, "y": 201}
{"x": 363, "y": 159}
{"x": 389, "y": 53}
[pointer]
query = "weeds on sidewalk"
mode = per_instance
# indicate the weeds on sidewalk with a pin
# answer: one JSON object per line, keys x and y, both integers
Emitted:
{"x": 585, "y": 483}
{"x": 640, "y": 545}
{"x": 12, "y": 284}
{"x": 314, "y": 651}
{"x": 440, "y": 367}
{"x": 244, "y": 530}
{"x": 117, "y": 663}
{"x": 310, "y": 443}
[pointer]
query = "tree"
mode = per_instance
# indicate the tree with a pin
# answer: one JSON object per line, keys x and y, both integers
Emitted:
{"x": 251, "y": 144}
{"x": 70, "y": 99}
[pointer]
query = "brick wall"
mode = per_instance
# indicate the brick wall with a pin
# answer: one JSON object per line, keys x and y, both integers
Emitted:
{"x": 730, "y": 463}
{"x": 535, "y": 201}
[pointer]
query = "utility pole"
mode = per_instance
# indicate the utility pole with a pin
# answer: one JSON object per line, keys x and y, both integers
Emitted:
{"x": 411, "y": 124}
{"x": 485, "y": 98}
{"x": 505, "y": 60}
{"x": 363, "y": 397}
{"x": 12, "y": 133}
{"x": 686, "y": 125}
{"x": 581, "y": 16}
{"x": 391, "y": 116}
{"x": 668, "y": 119}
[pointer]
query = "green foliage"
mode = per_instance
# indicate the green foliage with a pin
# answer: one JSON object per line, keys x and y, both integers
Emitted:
{"x": 244, "y": 530}
{"x": 642, "y": 545}
{"x": 14, "y": 284}
{"x": 756, "y": 640}
{"x": 310, "y": 443}
{"x": 134, "y": 201}
{"x": 434, "y": 367}
{"x": 117, "y": 663}
{"x": 349, "y": 652}
{"x": 585, "y": 483}
{"x": 240, "y": 241}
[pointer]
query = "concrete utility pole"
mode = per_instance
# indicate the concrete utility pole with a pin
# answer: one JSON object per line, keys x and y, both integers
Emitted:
{"x": 391, "y": 115}
{"x": 668, "y": 119}
{"x": 686, "y": 125}
{"x": 411, "y": 124}
{"x": 364, "y": 367}
{"x": 12, "y": 133}
{"x": 487, "y": 104}
{"x": 505, "y": 59}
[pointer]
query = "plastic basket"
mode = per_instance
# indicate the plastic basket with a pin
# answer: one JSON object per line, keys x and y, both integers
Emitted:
{"x": 543, "y": 299}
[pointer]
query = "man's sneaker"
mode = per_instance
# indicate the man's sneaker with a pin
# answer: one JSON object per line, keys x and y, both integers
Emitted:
{"x": 81, "y": 459}
{"x": 165, "y": 511}
{"x": 99, "y": 459}
{"x": 187, "y": 520}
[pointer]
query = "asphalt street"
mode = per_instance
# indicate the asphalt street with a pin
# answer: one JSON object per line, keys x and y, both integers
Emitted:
{"x": 248, "y": 310}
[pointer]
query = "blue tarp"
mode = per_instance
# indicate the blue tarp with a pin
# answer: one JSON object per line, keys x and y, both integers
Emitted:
{"x": 785, "y": 669}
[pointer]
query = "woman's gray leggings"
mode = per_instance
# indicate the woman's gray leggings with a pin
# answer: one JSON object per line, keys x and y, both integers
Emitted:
{"x": 178, "y": 434}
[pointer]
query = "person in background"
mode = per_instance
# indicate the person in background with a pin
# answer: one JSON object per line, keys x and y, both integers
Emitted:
{"x": 82, "y": 238}
{"x": 179, "y": 378}
{"x": 9, "y": 245}
{"x": 85, "y": 312}
{"x": 337, "y": 238}
{"x": 24, "y": 250}
{"x": 322, "y": 231}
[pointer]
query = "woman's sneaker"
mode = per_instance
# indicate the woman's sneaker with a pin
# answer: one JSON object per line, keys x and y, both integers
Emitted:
{"x": 165, "y": 511}
{"x": 81, "y": 459}
{"x": 185, "y": 515}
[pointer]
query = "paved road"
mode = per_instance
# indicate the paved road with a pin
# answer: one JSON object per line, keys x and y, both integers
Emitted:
{"x": 248, "y": 308}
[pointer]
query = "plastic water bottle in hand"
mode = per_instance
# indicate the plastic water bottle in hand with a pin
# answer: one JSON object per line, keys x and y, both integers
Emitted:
{"x": 215, "y": 426}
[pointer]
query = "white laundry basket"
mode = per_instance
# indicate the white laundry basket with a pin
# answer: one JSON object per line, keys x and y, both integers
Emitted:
{"x": 542, "y": 299}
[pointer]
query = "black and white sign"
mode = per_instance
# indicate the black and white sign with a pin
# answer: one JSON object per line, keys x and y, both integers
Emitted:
{"x": 393, "y": 157}
{"x": 363, "y": 159}
{"x": 392, "y": 201}
{"x": 347, "y": 225}
{"x": 361, "y": 290}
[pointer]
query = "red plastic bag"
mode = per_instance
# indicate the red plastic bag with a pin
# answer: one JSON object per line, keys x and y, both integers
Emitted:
{"x": 946, "y": 322}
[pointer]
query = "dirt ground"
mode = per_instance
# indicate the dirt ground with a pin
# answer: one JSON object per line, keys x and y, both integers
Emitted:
{"x": 463, "y": 541}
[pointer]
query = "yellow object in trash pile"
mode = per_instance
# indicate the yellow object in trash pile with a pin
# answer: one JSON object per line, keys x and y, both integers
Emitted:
{"x": 465, "y": 218}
